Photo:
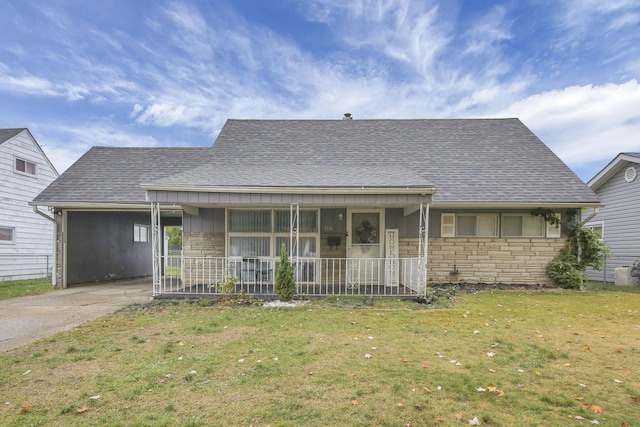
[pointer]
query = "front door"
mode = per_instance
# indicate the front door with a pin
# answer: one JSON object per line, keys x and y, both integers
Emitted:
{"x": 365, "y": 243}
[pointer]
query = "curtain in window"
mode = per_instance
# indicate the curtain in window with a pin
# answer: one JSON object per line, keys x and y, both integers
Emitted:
{"x": 307, "y": 246}
{"x": 249, "y": 246}
{"x": 308, "y": 221}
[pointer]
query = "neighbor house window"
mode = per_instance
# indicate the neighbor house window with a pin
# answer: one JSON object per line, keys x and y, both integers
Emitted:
{"x": 140, "y": 233}
{"x": 25, "y": 166}
{"x": 597, "y": 227}
{"x": 469, "y": 225}
{"x": 7, "y": 235}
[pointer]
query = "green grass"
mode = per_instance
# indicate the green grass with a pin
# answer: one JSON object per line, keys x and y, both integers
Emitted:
{"x": 556, "y": 355}
{"x": 20, "y": 288}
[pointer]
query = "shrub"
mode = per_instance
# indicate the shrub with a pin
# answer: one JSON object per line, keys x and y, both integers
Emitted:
{"x": 285, "y": 287}
{"x": 565, "y": 271}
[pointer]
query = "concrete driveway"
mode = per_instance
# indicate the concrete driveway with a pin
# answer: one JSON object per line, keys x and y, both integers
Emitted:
{"x": 27, "y": 319}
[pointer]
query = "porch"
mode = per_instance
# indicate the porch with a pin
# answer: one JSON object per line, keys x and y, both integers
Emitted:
{"x": 379, "y": 277}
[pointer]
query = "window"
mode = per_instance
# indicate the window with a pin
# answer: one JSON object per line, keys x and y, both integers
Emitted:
{"x": 597, "y": 227}
{"x": 469, "y": 225}
{"x": 25, "y": 166}
{"x": 140, "y": 233}
{"x": 7, "y": 235}
{"x": 522, "y": 225}
{"x": 261, "y": 233}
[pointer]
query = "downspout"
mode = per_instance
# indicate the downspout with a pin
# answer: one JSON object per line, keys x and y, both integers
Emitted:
{"x": 589, "y": 218}
{"x": 55, "y": 247}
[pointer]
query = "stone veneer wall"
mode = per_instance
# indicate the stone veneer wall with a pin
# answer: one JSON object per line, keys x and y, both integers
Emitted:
{"x": 487, "y": 260}
{"x": 58, "y": 260}
{"x": 208, "y": 249}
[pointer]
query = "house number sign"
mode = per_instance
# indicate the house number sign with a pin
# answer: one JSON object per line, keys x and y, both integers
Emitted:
{"x": 391, "y": 262}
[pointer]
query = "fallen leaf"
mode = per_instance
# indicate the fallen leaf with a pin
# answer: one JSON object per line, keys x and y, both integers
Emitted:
{"x": 493, "y": 371}
{"x": 492, "y": 388}
{"x": 635, "y": 399}
{"x": 579, "y": 399}
{"x": 587, "y": 348}
{"x": 309, "y": 372}
{"x": 354, "y": 402}
{"x": 400, "y": 405}
{"x": 425, "y": 365}
{"x": 578, "y": 417}
{"x": 538, "y": 373}
{"x": 596, "y": 422}
{"x": 25, "y": 408}
{"x": 458, "y": 416}
{"x": 419, "y": 406}
{"x": 82, "y": 410}
{"x": 481, "y": 389}
{"x": 499, "y": 393}
{"x": 619, "y": 350}
{"x": 368, "y": 356}
{"x": 617, "y": 381}
{"x": 596, "y": 409}
{"x": 491, "y": 354}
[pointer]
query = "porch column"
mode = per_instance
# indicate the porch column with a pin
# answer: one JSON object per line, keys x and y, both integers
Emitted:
{"x": 294, "y": 236}
{"x": 156, "y": 247}
{"x": 423, "y": 245}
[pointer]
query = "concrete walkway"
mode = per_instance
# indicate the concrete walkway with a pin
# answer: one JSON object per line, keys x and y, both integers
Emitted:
{"x": 27, "y": 319}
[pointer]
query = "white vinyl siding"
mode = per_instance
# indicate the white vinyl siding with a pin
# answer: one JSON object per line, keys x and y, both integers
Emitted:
{"x": 31, "y": 250}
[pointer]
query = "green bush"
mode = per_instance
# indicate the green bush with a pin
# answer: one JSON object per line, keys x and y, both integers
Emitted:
{"x": 565, "y": 271}
{"x": 285, "y": 287}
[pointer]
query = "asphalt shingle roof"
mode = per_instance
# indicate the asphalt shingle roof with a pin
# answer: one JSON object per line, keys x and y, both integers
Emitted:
{"x": 7, "y": 134}
{"x": 467, "y": 160}
{"x": 114, "y": 174}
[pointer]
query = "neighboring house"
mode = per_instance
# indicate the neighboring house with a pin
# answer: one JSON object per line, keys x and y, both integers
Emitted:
{"x": 373, "y": 207}
{"x": 618, "y": 222}
{"x": 26, "y": 238}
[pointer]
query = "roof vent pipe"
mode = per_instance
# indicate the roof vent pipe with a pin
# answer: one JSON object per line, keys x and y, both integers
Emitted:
{"x": 347, "y": 116}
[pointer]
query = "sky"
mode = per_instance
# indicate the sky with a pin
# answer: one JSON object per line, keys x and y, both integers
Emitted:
{"x": 82, "y": 73}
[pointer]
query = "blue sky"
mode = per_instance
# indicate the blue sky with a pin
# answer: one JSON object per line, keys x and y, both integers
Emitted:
{"x": 81, "y": 73}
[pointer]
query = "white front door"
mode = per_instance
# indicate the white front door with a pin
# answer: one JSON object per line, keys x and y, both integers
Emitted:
{"x": 365, "y": 245}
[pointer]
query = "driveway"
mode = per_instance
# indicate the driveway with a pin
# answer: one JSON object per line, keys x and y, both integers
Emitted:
{"x": 27, "y": 319}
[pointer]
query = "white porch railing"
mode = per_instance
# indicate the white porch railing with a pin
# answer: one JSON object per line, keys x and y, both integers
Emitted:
{"x": 314, "y": 276}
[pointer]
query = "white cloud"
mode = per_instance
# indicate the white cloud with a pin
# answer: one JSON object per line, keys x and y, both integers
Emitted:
{"x": 583, "y": 124}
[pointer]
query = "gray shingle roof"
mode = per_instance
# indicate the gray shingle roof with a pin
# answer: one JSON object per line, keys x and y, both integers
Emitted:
{"x": 114, "y": 174}
{"x": 467, "y": 160}
{"x": 6, "y": 134}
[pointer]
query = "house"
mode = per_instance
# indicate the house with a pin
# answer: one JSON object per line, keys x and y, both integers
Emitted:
{"x": 26, "y": 236}
{"x": 618, "y": 222}
{"x": 374, "y": 207}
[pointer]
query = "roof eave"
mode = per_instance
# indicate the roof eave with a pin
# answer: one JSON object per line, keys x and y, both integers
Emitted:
{"x": 422, "y": 190}
{"x": 611, "y": 169}
{"x": 514, "y": 205}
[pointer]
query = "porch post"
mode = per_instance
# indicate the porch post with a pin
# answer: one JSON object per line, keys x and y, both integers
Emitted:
{"x": 423, "y": 249}
{"x": 294, "y": 236}
{"x": 156, "y": 242}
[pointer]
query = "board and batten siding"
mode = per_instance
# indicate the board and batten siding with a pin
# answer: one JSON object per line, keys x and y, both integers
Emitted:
{"x": 620, "y": 218}
{"x": 31, "y": 254}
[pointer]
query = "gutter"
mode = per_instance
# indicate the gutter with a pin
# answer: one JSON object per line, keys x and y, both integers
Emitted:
{"x": 42, "y": 214}
{"x": 590, "y": 217}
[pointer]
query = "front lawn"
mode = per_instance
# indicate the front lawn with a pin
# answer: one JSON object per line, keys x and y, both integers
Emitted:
{"x": 497, "y": 358}
{"x": 20, "y": 288}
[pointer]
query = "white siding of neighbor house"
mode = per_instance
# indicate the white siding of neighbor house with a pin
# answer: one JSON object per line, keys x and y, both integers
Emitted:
{"x": 620, "y": 219}
{"x": 32, "y": 250}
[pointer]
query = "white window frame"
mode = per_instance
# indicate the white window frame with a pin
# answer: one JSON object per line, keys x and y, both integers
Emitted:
{"x": 13, "y": 236}
{"x": 138, "y": 235}
{"x": 448, "y": 225}
{"x": 26, "y": 163}
{"x": 554, "y": 231}
{"x": 273, "y": 235}
{"x": 594, "y": 225}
